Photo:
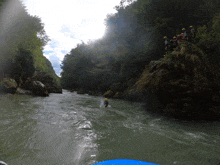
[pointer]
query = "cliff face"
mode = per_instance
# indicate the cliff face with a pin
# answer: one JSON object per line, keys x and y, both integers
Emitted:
{"x": 185, "y": 83}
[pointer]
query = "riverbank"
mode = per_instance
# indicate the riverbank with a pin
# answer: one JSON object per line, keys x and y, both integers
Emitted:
{"x": 41, "y": 84}
{"x": 184, "y": 84}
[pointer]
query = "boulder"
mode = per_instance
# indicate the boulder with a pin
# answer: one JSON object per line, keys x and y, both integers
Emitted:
{"x": 8, "y": 85}
{"x": 53, "y": 88}
{"x": 186, "y": 84}
{"x": 153, "y": 65}
{"x": 48, "y": 81}
{"x": 118, "y": 95}
{"x": 165, "y": 65}
{"x": 80, "y": 92}
{"x": 23, "y": 91}
{"x": 36, "y": 87}
{"x": 118, "y": 87}
{"x": 39, "y": 88}
{"x": 94, "y": 93}
{"x": 109, "y": 94}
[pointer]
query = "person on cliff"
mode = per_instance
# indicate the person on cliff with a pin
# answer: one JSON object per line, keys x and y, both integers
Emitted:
{"x": 106, "y": 102}
{"x": 185, "y": 34}
{"x": 178, "y": 38}
{"x": 181, "y": 37}
{"x": 192, "y": 34}
{"x": 192, "y": 30}
{"x": 166, "y": 44}
{"x": 175, "y": 44}
{"x": 172, "y": 44}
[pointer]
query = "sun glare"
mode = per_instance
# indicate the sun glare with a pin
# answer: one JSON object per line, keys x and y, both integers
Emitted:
{"x": 94, "y": 31}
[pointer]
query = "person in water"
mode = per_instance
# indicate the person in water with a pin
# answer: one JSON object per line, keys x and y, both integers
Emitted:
{"x": 106, "y": 102}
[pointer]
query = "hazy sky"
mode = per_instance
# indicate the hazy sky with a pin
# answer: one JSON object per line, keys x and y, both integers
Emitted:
{"x": 69, "y": 22}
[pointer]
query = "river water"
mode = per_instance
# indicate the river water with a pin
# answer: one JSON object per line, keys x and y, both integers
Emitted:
{"x": 72, "y": 129}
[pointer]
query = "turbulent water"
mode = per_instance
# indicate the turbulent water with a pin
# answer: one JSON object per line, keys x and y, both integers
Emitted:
{"x": 71, "y": 129}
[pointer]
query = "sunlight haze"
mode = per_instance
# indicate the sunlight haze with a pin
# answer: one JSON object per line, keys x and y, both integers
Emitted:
{"x": 70, "y": 22}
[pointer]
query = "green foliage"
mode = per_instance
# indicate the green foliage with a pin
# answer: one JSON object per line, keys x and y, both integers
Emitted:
{"x": 21, "y": 43}
{"x": 208, "y": 38}
{"x": 133, "y": 38}
{"x": 76, "y": 69}
{"x": 23, "y": 66}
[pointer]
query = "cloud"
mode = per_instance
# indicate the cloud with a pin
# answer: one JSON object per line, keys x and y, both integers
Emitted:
{"x": 47, "y": 52}
{"x": 55, "y": 60}
{"x": 65, "y": 29}
{"x": 69, "y": 22}
{"x": 64, "y": 51}
{"x": 53, "y": 44}
{"x": 55, "y": 63}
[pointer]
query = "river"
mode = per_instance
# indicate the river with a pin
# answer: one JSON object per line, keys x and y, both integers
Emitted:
{"x": 72, "y": 129}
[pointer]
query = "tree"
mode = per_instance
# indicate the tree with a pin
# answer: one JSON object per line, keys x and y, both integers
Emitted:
{"x": 133, "y": 38}
{"x": 21, "y": 32}
{"x": 23, "y": 66}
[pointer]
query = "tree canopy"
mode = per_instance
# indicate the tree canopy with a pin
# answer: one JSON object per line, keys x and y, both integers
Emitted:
{"x": 22, "y": 37}
{"x": 134, "y": 37}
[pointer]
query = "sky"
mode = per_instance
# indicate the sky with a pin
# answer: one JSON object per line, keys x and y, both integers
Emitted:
{"x": 69, "y": 22}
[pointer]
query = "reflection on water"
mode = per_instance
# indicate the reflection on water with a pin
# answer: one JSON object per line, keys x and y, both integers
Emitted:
{"x": 73, "y": 129}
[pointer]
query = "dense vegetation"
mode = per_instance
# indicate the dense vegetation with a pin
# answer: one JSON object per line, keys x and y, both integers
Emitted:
{"x": 134, "y": 37}
{"x": 22, "y": 38}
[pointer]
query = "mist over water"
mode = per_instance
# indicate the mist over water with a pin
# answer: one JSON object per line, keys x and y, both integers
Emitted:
{"x": 17, "y": 28}
{"x": 11, "y": 16}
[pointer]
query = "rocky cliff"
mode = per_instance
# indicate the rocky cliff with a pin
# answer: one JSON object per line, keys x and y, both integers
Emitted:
{"x": 186, "y": 83}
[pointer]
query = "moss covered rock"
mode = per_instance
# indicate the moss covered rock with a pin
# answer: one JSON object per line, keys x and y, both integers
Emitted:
{"x": 80, "y": 92}
{"x": 119, "y": 95}
{"x": 8, "y": 85}
{"x": 48, "y": 81}
{"x": 109, "y": 94}
{"x": 185, "y": 83}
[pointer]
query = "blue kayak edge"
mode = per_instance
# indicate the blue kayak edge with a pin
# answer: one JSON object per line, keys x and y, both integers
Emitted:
{"x": 124, "y": 162}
